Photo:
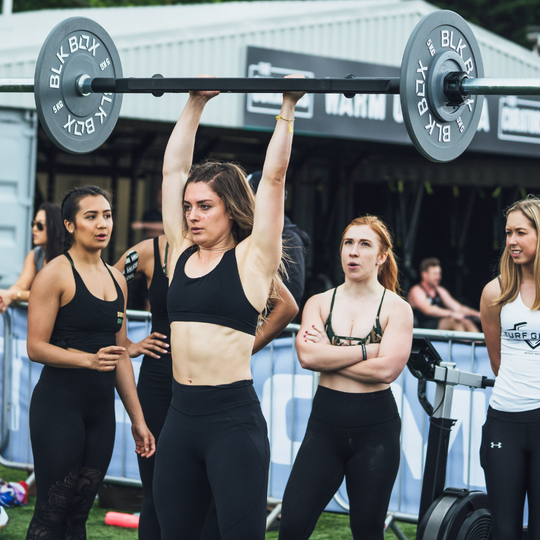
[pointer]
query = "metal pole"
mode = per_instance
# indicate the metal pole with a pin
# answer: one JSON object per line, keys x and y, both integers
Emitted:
{"x": 361, "y": 85}
{"x": 6, "y": 381}
{"x": 21, "y": 84}
{"x": 501, "y": 87}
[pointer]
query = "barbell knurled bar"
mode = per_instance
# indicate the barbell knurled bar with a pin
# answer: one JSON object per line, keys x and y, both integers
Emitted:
{"x": 17, "y": 85}
{"x": 360, "y": 85}
{"x": 78, "y": 85}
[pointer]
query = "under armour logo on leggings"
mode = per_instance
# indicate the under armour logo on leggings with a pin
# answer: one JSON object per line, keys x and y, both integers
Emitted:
{"x": 496, "y": 445}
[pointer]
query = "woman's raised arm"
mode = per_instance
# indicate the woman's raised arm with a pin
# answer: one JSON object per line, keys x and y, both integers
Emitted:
{"x": 265, "y": 240}
{"x": 177, "y": 163}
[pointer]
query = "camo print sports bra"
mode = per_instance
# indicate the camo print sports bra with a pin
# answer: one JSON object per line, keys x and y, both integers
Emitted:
{"x": 374, "y": 336}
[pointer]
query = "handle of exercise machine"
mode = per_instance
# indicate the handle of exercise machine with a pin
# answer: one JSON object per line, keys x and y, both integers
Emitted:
{"x": 422, "y": 361}
{"x": 425, "y": 364}
{"x": 487, "y": 382}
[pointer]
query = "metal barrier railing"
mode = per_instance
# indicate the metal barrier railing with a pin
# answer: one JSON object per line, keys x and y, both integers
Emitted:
{"x": 7, "y": 377}
{"x": 451, "y": 338}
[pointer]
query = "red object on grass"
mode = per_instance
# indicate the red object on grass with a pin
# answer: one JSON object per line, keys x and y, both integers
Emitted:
{"x": 122, "y": 520}
{"x": 25, "y": 486}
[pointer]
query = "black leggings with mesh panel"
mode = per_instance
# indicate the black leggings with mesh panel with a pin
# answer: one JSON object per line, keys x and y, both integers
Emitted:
{"x": 72, "y": 433}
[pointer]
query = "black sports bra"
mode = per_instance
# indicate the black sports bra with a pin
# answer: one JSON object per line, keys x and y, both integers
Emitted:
{"x": 374, "y": 336}
{"x": 217, "y": 297}
{"x": 86, "y": 322}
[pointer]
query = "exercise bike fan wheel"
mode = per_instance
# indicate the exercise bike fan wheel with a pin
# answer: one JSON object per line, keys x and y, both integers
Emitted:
{"x": 458, "y": 514}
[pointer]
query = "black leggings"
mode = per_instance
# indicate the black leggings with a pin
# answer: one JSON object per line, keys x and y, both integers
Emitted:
{"x": 510, "y": 457}
{"x": 213, "y": 446}
{"x": 72, "y": 433}
{"x": 355, "y": 436}
{"x": 155, "y": 394}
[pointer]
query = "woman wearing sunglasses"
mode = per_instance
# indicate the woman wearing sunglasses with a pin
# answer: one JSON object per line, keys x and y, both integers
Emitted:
{"x": 47, "y": 236}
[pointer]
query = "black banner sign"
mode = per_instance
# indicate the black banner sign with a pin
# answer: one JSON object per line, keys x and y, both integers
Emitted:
{"x": 508, "y": 125}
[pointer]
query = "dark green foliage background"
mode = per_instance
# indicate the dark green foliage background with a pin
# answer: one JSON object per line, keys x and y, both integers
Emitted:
{"x": 508, "y": 18}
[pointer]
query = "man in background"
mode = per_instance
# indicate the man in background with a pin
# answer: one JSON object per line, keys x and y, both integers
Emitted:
{"x": 434, "y": 307}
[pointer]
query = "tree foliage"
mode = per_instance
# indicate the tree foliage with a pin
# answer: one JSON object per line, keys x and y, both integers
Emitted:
{"x": 32, "y": 5}
{"x": 507, "y": 18}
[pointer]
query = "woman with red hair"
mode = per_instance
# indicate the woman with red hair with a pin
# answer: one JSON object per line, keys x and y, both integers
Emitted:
{"x": 354, "y": 427}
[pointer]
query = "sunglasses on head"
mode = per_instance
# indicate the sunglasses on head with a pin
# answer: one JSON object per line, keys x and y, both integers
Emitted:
{"x": 39, "y": 224}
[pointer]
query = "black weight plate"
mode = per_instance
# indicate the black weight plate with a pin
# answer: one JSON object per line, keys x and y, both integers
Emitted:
{"x": 77, "y": 124}
{"x": 436, "y": 33}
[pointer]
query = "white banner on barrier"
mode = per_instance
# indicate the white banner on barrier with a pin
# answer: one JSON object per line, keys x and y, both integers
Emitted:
{"x": 286, "y": 390}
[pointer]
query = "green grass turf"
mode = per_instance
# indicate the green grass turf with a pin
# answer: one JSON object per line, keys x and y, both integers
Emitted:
{"x": 329, "y": 527}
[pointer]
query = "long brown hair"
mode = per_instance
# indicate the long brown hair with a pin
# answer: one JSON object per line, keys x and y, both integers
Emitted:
{"x": 511, "y": 273}
{"x": 388, "y": 271}
{"x": 55, "y": 230}
{"x": 229, "y": 182}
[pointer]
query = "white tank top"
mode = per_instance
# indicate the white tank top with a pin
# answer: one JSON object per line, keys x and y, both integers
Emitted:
{"x": 517, "y": 387}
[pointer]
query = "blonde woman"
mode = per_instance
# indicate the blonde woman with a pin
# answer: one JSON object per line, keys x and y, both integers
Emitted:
{"x": 510, "y": 311}
{"x": 354, "y": 427}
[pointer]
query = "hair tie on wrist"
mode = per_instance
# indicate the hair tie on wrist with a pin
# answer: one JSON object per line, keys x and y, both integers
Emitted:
{"x": 364, "y": 352}
{"x": 278, "y": 117}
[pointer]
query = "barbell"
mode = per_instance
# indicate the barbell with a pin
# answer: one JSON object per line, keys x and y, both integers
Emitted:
{"x": 78, "y": 85}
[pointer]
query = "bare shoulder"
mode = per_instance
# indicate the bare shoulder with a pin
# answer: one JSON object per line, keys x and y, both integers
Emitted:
{"x": 321, "y": 302}
{"x": 492, "y": 290}
{"x": 144, "y": 249}
{"x": 415, "y": 288}
{"x": 54, "y": 273}
{"x": 440, "y": 289}
{"x": 30, "y": 256}
{"x": 490, "y": 294}
{"x": 415, "y": 291}
{"x": 395, "y": 305}
{"x": 396, "y": 311}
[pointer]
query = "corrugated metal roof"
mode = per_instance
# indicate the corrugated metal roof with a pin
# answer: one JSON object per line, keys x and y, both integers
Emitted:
{"x": 186, "y": 40}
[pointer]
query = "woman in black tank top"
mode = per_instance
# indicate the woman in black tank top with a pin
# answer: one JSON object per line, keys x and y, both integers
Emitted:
{"x": 76, "y": 322}
{"x": 155, "y": 376}
{"x": 358, "y": 336}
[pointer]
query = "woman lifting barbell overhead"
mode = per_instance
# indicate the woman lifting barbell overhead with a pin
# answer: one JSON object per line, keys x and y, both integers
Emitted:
{"x": 354, "y": 427}
{"x": 76, "y": 327}
{"x": 154, "y": 386}
{"x": 510, "y": 314}
{"x": 225, "y": 251}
